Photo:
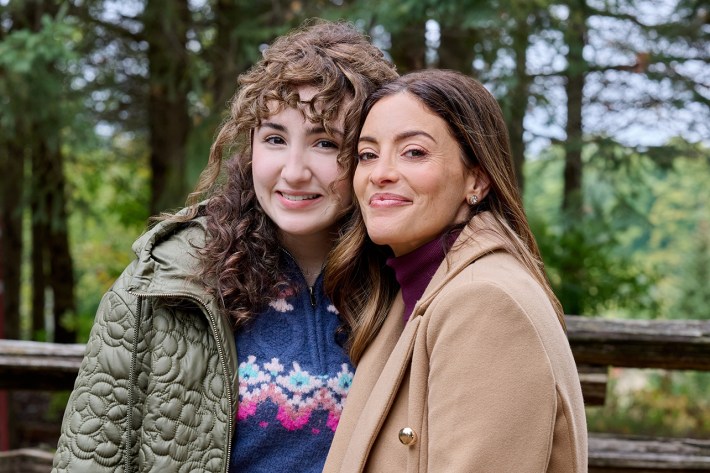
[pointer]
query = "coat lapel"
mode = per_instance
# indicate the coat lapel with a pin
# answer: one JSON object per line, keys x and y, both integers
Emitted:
{"x": 483, "y": 235}
{"x": 383, "y": 394}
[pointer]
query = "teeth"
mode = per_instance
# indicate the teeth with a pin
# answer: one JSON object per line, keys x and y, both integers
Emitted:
{"x": 300, "y": 197}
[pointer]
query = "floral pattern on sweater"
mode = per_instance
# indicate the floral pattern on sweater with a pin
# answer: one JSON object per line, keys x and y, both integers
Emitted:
{"x": 296, "y": 392}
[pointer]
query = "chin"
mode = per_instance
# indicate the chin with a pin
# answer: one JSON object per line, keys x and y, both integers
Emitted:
{"x": 379, "y": 239}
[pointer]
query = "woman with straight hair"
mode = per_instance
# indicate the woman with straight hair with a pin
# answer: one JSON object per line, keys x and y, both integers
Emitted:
{"x": 217, "y": 350}
{"x": 463, "y": 364}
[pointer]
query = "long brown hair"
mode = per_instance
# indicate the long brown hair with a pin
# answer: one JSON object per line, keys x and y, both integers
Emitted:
{"x": 240, "y": 262}
{"x": 359, "y": 283}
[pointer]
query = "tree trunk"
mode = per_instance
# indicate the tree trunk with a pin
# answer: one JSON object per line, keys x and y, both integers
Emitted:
{"x": 165, "y": 26}
{"x": 61, "y": 263}
{"x": 14, "y": 153}
{"x": 456, "y": 48}
{"x": 39, "y": 231}
{"x": 226, "y": 65}
{"x": 573, "y": 270}
{"x": 52, "y": 264}
{"x": 408, "y": 49}
{"x": 576, "y": 66}
{"x": 517, "y": 103}
{"x": 39, "y": 271}
{"x": 11, "y": 210}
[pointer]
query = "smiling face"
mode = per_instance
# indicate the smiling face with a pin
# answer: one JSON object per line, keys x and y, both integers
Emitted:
{"x": 411, "y": 182}
{"x": 294, "y": 164}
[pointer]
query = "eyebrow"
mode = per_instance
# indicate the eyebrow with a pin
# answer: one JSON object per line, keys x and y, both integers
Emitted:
{"x": 400, "y": 136}
{"x": 316, "y": 130}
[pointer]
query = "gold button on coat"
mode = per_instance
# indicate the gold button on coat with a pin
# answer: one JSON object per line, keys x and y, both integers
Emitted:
{"x": 407, "y": 436}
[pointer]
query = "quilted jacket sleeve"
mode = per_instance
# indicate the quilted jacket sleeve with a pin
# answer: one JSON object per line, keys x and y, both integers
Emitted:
{"x": 94, "y": 425}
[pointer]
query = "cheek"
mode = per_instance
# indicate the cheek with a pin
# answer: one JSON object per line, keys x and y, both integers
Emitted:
{"x": 263, "y": 176}
{"x": 259, "y": 177}
{"x": 359, "y": 184}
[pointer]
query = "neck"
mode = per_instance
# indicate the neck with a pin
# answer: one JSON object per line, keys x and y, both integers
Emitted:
{"x": 309, "y": 251}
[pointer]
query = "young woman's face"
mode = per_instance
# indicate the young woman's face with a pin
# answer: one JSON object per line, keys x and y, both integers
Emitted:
{"x": 294, "y": 164}
{"x": 410, "y": 181}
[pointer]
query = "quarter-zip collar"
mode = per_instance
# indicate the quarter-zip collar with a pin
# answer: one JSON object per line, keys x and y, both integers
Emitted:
{"x": 295, "y": 269}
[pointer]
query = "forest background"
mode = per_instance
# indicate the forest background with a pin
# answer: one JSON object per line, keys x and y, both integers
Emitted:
{"x": 108, "y": 109}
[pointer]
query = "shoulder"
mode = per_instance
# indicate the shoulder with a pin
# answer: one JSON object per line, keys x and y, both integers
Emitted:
{"x": 495, "y": 295}
{"x": 172, "y": 234}
{"x": 167, "y": 257}
{"x": 499, "y": 276}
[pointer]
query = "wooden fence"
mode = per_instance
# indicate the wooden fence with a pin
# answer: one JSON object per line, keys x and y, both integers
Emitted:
{"x": 597, "y": 344}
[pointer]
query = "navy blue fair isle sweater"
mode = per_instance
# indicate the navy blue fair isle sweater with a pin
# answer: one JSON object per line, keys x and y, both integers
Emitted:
{"x": 294, "y": 376}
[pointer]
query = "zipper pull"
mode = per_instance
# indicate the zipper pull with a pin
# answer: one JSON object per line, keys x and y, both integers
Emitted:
{"x": 313, "y": 296}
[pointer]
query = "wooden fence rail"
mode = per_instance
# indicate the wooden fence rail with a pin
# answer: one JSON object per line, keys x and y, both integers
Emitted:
{"x": 631, "y": 454}
{"x": 39, "y": 365}
{"x": 596, "y": 345}
{"x": 674, "y": 344}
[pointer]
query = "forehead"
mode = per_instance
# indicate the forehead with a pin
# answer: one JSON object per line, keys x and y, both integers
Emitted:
{"x": 306, "y": 93}
{"x": 400, "y": 111}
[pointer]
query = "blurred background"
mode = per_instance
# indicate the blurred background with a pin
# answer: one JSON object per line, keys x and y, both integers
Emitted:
{"x": 108, "y": 109}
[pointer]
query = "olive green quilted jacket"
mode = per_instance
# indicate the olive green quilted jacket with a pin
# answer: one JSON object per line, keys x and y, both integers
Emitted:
{"x": 156, "y": 390}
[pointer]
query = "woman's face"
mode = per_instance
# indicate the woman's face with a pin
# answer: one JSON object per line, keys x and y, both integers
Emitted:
{"x": 410, "y": 181}
{"x": 294, "y": 163}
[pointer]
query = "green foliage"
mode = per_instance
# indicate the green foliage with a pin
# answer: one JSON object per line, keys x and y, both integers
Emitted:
{"x": 611, "y": 276}
{"x": 654, "y": 403}
{"x": 109, "y": 195}
{"x": 678, "y": 242}
{"x": 32, "y": 79}
{"x": 608, "y": 280}
{"x": 643, "y": 239}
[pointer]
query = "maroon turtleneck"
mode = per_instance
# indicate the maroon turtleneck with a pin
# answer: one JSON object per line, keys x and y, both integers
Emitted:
{"x": 415, "y": 269}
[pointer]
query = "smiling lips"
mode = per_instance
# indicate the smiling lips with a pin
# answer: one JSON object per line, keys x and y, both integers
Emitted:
{"x": 297, "y": 200}
{"x": 298, "y": 197}
{"x": 387, "y": 200}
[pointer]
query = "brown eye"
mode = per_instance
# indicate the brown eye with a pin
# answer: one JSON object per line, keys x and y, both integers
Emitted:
{"x": 415, "y": 153}
{"x": 326, "y": 144}
{"x": 366, "y": 156}
{"x": 274, "y": 140}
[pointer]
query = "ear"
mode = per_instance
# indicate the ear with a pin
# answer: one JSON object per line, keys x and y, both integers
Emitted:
{"x": 478, "y": 183}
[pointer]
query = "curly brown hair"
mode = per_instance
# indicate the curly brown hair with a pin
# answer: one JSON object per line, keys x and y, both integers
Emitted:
{"x": 240, "y": 260}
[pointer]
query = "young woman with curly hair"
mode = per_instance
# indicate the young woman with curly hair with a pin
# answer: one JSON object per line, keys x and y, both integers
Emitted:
{"x": 217, "y": 349}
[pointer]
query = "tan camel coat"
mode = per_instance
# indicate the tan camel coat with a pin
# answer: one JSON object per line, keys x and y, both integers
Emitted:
{"x": 482, "y": 373}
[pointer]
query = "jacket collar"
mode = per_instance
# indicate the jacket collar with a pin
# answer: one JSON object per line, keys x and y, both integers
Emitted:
{"x": 168, "y": 262}
{"x": 484, "y": 234}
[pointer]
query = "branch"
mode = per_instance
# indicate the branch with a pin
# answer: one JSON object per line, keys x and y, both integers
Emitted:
{"x": 619, "y": 16}
{"x": 82, "y": 12}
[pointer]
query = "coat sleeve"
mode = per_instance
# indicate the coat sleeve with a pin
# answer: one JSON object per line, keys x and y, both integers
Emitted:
{"x": 95, "y": 419}
{"x": 491, "y": 391}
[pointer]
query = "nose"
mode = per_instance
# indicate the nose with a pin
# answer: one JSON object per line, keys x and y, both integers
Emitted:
{"x": 295, "y": 168}
{"x": 384, "y": 170}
